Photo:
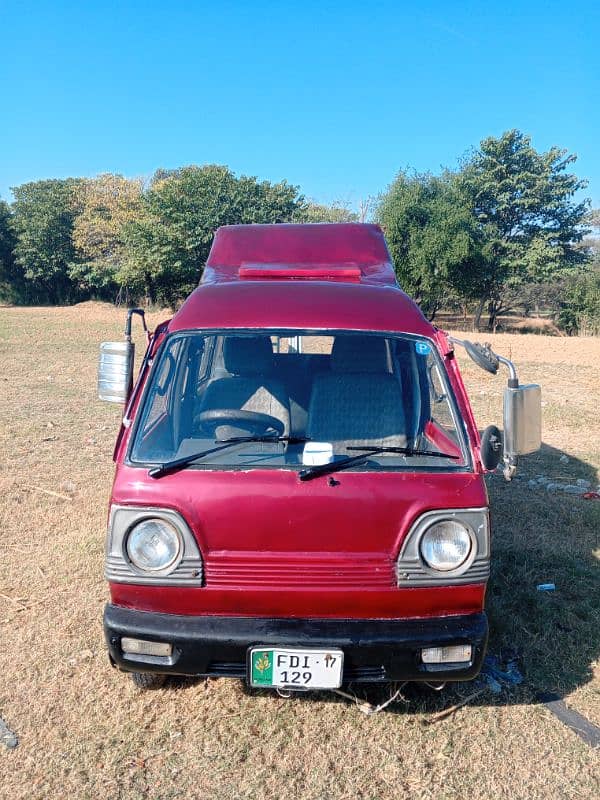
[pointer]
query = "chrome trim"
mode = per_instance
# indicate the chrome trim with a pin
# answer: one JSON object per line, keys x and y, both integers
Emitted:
{"x": 412, "y": 570}
{"x": 118, "y": 569}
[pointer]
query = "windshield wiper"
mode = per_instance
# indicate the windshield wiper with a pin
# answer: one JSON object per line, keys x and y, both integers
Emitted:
{"x": 349, "y": 461}
{"x": 180, "y": 463}
{"x": 405, "y": 451}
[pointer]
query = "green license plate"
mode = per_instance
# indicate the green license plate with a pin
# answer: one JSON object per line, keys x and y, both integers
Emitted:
{"x": 293, "y": 667}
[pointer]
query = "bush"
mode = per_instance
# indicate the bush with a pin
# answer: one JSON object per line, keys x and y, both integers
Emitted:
{"x": 580, "y": 313}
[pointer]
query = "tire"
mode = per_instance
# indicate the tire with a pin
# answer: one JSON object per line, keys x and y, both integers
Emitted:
{"x": 148, "y": 680}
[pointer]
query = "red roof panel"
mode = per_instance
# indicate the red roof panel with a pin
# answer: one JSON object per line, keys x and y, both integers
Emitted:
{"x": 318, "y": 251}
{"x": 301, "y": 304}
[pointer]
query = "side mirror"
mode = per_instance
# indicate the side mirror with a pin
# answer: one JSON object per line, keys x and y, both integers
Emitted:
{"x": 522, "y": 420}
{"x": 115, "y": 371}
{"x": 522, "y": 413}
{"x": 482, "y": 355}
{"x": 491, "y": 447}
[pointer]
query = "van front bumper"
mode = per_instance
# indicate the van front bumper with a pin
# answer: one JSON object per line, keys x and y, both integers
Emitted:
{"x": 375, "y": 650}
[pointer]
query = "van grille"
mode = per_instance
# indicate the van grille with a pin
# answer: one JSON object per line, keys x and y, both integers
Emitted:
{"x": 305, "y": 571}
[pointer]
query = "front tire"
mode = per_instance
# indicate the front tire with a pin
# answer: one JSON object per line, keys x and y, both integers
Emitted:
{"x": 148, "y": 680}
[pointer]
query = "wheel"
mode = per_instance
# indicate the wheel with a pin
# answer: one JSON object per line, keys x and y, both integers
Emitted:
{"x": 258, "y": 424}
{"x": 148, "y": 680}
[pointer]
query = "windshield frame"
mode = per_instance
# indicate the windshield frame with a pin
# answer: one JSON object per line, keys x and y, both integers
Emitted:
{"x": 464, "y": 442}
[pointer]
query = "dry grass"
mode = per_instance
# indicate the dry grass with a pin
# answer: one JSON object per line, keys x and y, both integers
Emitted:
{"x": 84, "y": 730}
{"x": 507, "y": 323}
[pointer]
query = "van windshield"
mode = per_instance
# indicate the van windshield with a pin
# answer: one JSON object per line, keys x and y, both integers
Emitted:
{"x": 296, "y": 399}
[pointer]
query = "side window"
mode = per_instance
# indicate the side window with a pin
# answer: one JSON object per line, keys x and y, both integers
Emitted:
{"x": 158, "y": 402}
{"x": 202, "y": 358}
{"x": 441, "y": 414}
{"x": 412, "y": 373}
{"x": 204, "y": 362}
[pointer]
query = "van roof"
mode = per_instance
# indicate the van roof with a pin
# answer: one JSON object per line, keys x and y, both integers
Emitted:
{"x": 315, "y": 277}
{"x": 346, "y": 251}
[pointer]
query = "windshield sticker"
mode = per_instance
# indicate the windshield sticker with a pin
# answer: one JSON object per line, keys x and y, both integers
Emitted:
{"x": 422, "y": 348}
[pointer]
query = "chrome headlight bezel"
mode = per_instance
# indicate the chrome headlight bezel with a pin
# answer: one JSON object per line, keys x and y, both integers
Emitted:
{"x": 464, "y": 563}
{"x": 186, "y": 570}
{"x": 167, "y": 529}
{"x": 411, "y": 568}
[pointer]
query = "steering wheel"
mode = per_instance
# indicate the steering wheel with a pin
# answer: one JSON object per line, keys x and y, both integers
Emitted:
{"x": 254, "y": 421}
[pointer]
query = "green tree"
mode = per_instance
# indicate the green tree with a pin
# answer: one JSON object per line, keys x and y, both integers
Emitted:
{"x": 316, "y": 212}
{"x": 11, "y": 276}
{"x": 432, "y": 236}
{"x": 43, "y": 215}
{"x": 167, "y": 246}
{"x": 580, "y": 306}
{"x": 524, "y": 204}
{"x": 591, "y": 242}
{"x": 106, "y": 204}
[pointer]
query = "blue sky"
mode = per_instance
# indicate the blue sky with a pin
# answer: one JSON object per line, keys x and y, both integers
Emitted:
{"x": 335, "y": 97}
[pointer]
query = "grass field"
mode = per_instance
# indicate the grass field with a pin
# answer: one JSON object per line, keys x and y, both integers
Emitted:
{"x": 86, "y": 732}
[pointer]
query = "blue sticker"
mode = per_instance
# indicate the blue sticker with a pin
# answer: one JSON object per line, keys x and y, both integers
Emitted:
{"x": 422, "y": 348}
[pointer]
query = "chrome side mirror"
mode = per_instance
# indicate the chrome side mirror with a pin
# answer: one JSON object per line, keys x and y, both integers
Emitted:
{"x": 115, "y": 371}
{"x": 115, "y": 367}
{"x": 522, "y": 410}
{"x": 522, "y": 419}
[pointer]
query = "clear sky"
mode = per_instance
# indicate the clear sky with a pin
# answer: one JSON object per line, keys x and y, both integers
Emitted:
{"x": 333, "y": 96}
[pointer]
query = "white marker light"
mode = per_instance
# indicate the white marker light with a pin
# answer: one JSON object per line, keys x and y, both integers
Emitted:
{"x": 141, "y": 647}
{"x": 456, "y": 654}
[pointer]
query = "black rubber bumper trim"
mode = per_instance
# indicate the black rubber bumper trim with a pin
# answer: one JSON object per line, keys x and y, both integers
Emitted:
{"x": 374, "y": 649}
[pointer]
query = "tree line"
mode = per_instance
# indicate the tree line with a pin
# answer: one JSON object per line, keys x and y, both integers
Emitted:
{"x": 503, "y": 229}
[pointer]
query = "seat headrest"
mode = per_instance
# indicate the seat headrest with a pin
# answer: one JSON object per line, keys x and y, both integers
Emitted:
{"x": 359, "y": 354}
{"x": 248, "y": 355}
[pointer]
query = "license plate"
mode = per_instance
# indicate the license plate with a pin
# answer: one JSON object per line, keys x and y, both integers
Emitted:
{"x": 294, "y": 668}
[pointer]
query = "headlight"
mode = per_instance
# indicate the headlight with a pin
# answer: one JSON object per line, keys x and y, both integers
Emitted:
{"x": 154, "y": 545}
{"x": 446, "y": 545}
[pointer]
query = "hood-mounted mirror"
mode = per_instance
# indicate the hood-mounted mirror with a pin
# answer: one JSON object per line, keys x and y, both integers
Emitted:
{"x": 483, "y": 356}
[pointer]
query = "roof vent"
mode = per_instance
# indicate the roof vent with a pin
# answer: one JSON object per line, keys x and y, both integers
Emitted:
{"x": 337, "y": 272}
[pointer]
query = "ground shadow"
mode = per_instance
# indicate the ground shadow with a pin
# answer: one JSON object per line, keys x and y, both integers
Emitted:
{"x": 541, "y": 535}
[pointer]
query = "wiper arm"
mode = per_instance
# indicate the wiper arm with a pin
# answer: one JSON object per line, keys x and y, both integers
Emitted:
{"x": 336, "y": 466}
{"x": 333, "y": 466}
{"x": 266, "y": 438}
{"x": 180, "y": 463}
{"x": 405, "y": 451}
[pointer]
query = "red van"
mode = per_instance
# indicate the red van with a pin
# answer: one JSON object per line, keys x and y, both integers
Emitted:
{"x": 299, "y": 497}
